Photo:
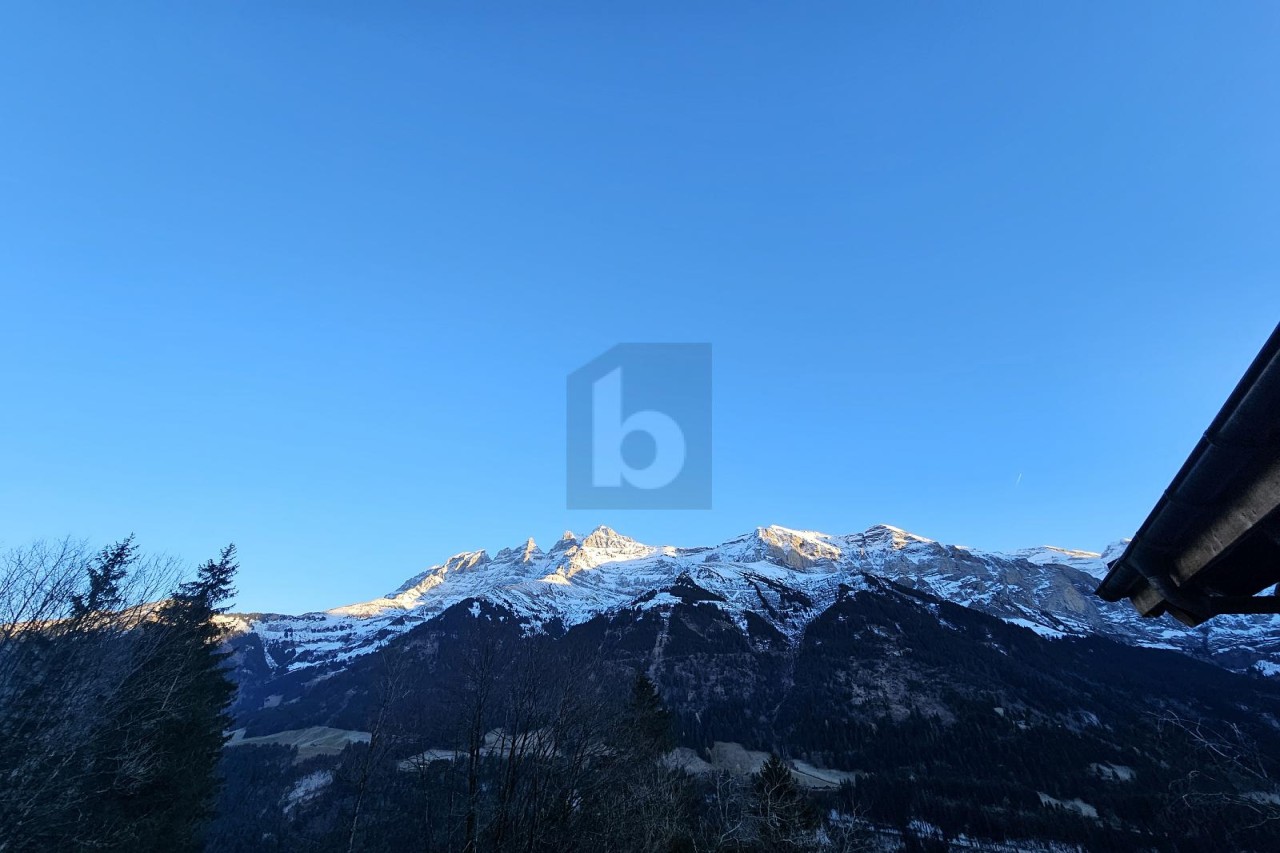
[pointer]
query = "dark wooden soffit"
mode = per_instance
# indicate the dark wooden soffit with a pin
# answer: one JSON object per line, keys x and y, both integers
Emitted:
{"x": 1212, "y": 542}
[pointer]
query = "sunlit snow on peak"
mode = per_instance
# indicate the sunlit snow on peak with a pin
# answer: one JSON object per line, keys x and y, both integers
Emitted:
{"x": 782, "y": 574}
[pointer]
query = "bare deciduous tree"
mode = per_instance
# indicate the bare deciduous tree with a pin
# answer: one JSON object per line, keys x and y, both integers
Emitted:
{"x": 81, "y": 635}
{"x": 1231, "y": 771}
{"x": 390, "y": 692}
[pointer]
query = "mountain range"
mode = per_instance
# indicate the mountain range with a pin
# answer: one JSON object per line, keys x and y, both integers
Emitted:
{"x": 776, "y": 576}
{"x": 988, "y": 695}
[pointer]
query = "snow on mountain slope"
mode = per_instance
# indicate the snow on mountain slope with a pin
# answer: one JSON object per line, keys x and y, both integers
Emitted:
{"x": 786, "y": 576}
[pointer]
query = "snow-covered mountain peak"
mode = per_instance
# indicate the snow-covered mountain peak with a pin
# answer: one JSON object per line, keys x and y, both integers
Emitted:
{"x": 463, "y": 562}
{"x": 603, "y": 545}
{"x": 1052, "y": 554}
{"x": 777, "y": 530}
{"x": 526, "y": 553}
{"x": 466, "y": 561}
{"x": 888, "y": 536}
{"x": 802, "y": 549}
{"x": 1089, "y": 562}
{"x": 608, "y": 539}
{"x": 1112, "y": 552}
{"x": 776, "y": 544}
{"x": 796, "y": 549}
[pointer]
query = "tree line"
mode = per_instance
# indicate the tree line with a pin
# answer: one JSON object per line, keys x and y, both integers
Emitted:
{"x": 113, "y": 698}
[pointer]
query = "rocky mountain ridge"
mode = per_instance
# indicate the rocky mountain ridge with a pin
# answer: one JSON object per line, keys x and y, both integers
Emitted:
{"x": 784, "y": 576}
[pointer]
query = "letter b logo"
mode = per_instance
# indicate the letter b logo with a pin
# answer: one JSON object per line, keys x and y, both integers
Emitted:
{"x": 639, "y": 429}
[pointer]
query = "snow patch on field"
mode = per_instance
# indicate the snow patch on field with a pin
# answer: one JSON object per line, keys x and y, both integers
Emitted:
{"x": 307, "y": 787}
{"x": 1113, "y": 772}
{"x": 1042, "y": 630}
{"x": 316, "y": 740}
{"x": 1266, "y": 667}
{"x": 1073, "y": 805}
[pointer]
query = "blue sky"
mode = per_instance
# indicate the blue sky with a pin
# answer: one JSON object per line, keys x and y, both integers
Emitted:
{"x": 310, "y": 276}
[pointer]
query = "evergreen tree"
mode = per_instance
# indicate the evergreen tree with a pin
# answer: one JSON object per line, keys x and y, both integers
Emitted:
{"x": 779, "y": 807}
{"x": 105, "y": 575}
{"x": 112, "y": 709}
{"x": 646, "y": 722}
{"x": 159, "y": 774}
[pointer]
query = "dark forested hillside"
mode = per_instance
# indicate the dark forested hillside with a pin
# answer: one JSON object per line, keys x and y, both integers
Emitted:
{"x": 933, "y": 720}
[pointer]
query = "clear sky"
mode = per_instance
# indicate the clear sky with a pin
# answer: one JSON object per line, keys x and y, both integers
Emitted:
{"x": 310, "y": 276}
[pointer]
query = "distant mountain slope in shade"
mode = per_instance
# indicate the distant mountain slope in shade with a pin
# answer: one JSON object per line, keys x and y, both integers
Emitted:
{"x": 971, "y": 690}
{"x": 774, "y": 576}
